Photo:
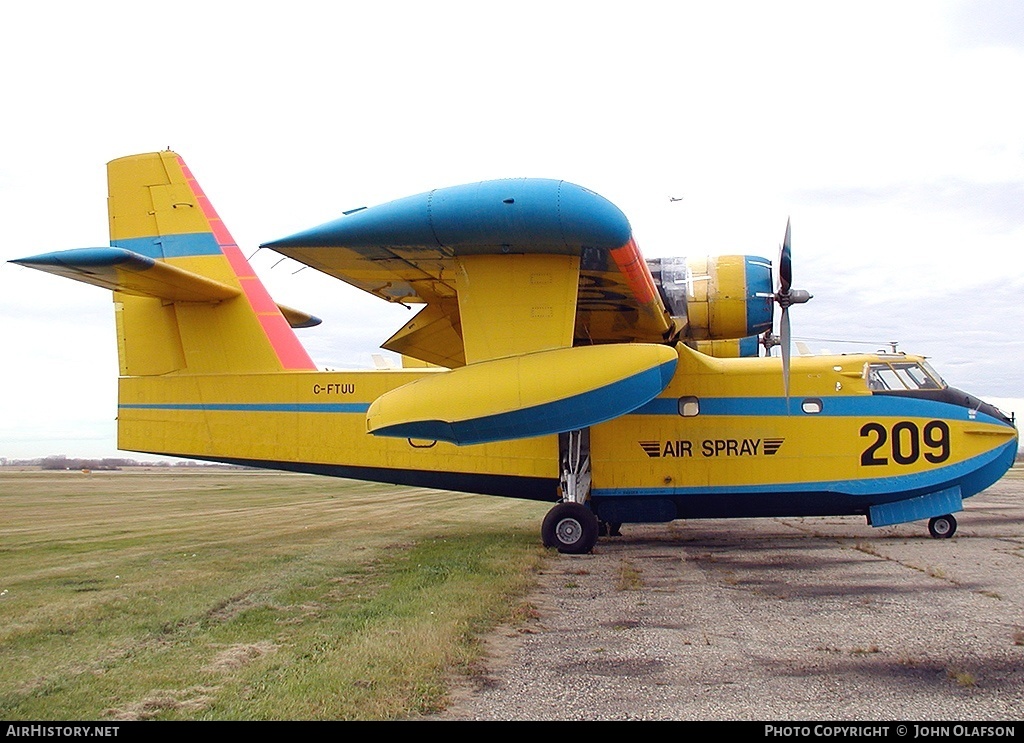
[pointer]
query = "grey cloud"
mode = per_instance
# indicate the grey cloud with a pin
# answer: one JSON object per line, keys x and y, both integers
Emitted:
{"x": 975, "y": 335}
{"x": 979, "y": 23}
{"x": 1001, "y": 204}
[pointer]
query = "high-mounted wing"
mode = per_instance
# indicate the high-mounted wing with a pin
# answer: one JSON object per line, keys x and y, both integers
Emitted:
{"x": 504, "y": 267}
{"x": 515, "y": 275}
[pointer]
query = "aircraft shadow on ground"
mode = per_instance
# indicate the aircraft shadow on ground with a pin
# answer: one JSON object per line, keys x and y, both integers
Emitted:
{"x": 956, "y": 676}
{"x": 791, "y": 567}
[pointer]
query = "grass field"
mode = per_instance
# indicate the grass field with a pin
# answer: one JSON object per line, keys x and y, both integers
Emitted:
{"x": 181, "y": 593}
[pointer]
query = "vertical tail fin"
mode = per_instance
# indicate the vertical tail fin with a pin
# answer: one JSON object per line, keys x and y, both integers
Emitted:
{"x": 158, "y": 210}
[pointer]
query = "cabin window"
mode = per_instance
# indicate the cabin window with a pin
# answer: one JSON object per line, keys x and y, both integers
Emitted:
{"x": 903, "y": 375}
{"x": 689, "y": 407}
{"x": 811, "y": 406}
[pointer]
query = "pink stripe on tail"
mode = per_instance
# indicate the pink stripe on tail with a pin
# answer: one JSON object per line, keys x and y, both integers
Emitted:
{"x": 290, "y": 352}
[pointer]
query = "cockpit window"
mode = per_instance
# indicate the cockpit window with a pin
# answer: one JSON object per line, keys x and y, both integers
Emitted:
{"x": 903, "y": 375}
{"x": 933, "y": 374}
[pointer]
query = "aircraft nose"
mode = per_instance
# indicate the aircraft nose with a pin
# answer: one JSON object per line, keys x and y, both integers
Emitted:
{"x": 976, "y": 407}
{"x": 980, "y": 406}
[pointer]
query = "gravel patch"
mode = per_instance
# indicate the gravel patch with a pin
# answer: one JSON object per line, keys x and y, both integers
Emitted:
{"x": 772, "y": 619}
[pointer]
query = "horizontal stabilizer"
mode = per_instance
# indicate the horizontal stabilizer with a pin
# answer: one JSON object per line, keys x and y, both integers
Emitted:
{"x": 132, "y": 273}
{"x": 523, "y": 396}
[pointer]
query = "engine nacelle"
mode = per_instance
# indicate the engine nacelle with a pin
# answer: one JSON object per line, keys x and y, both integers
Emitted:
{"x": 730, "y": 348}
{"x": 717, "y": 297}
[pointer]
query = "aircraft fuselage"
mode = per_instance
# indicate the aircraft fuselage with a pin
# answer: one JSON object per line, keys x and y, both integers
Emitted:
{"x": 722, "y": 440}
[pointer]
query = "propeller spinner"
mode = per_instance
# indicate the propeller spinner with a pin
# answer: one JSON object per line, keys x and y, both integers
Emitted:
{"x": 785, "y": 295}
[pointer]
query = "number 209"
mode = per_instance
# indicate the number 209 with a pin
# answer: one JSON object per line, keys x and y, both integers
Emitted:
{"x": 905, "y": 443}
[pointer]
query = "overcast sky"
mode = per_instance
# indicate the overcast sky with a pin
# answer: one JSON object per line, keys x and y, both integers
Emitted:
{"x": 892, "y": 133}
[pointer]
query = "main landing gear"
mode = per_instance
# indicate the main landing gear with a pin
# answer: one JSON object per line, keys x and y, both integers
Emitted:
{"x": 942, "y": 527}
{"x": 571, "y": 526}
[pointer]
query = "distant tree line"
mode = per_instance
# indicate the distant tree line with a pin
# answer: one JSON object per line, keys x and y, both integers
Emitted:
{"x": 63, "y": 462}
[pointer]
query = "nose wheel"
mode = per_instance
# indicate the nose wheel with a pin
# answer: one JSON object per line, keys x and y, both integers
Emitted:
{"x": 942, "y": 527}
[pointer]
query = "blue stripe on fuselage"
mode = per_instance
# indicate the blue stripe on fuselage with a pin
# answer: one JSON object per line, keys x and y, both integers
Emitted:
{"x": 256, "y": 407}
{"x": 718, "y": 406}
{"x": 861, "y": 405}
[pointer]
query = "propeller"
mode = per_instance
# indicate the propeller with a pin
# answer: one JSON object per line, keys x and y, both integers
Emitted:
{"x": 785, "y": 296}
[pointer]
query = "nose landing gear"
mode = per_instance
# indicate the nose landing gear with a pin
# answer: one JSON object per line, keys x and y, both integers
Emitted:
{"x": 942, "y": 527}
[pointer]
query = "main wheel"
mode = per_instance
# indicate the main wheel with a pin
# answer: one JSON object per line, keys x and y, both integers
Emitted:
{"x": 570, "y": 527}
{"x": 942, "y": 527}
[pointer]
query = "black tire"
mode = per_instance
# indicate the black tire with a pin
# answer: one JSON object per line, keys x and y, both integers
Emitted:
{"x": 942, "y": 527}
{"x": 571, "y": 528}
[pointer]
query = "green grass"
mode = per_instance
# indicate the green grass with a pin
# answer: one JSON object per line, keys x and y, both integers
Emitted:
{"x": 230, "y": 594}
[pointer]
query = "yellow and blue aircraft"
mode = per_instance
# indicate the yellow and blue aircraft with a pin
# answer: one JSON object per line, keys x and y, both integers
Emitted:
{"x": 550, "y": 361}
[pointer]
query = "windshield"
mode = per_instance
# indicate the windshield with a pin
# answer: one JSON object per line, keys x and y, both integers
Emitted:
{"x": 903, "y": 375}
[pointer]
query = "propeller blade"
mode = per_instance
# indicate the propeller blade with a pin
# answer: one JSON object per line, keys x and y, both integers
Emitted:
{"x": 785, "y": 264}
{"x": 784, "y": 342}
